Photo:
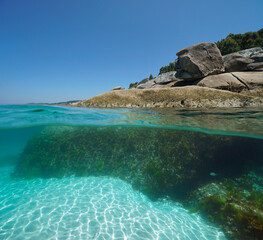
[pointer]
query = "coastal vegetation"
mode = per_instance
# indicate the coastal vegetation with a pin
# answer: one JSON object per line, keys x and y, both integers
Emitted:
{"x": 237, "y": 42}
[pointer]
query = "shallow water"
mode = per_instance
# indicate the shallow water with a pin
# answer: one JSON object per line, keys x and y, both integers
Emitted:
{"x": 101, "y": 207}
{"x": 91, "y": 208}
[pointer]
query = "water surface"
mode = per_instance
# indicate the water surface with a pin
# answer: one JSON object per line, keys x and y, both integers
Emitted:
{"x": 101, "y": 207}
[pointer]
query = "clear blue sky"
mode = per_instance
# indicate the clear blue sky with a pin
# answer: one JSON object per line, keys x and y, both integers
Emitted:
{"x": 57, "y": 50}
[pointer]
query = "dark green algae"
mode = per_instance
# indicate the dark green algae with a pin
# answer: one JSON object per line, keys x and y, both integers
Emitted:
{"x": 160, "y": 163}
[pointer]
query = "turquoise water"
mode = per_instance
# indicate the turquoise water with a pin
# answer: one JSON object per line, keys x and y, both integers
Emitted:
{"x": 101, "y": 207}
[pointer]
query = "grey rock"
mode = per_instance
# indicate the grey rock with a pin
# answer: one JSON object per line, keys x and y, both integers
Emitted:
{"x": 255, "y": 66}
{"x": 143, "y": 81}
{"x": 199, "y": 60}
{"x": 258, "y": 57}
{"x": 236, "y": 62}
{"x": 117, "y": 88}
{"x": 249, "y": 59}
{"x": 253, "y": 53}
{"x": 224, "y": 81}
{"x": 145, "y": 85}
{"x": 165, "y": 78}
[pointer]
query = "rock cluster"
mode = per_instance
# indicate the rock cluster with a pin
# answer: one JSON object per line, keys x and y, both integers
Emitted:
{"x": 200, "y": 70}
{"x": 203, "y": 65}
{"x": 159, "y": 82}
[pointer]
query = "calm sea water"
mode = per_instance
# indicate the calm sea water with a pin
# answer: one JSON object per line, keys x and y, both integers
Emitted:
{"x": 101, "y": 207}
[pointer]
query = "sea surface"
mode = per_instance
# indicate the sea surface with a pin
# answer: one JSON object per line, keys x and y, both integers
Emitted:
{"x": 102, "y": 207}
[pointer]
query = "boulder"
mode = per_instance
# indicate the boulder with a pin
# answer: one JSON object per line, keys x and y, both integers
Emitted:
{"x": 252, "y": 79}
{"x": 148, "y": 84}
{"x": 117, "y": 88}
{"x": 236, "y": 62}
{"x": 199, "y": 60}
{"x": 224, "y": 81}
{"x": 165, "y": 78}
{"x": 255, "y": 54}
{"x": 249, "y": 59}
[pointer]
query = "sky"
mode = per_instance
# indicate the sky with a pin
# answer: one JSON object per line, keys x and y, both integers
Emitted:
{"x": 60, "y": 50}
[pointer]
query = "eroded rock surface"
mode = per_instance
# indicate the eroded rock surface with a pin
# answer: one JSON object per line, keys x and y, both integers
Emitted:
{"x": 252, "y": 79}
{"x": 224, "y": 81}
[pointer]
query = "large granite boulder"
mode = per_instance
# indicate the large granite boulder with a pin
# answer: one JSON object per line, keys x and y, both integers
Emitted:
{"x": 199, "y": 60}
{"x": 224, "y": 81}
{"x": 249, "y": 59}
{"x": 165, "y": 78}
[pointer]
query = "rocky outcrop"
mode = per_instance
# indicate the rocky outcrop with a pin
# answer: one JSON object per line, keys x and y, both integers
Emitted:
{"x": 224, "y": 81}
{"x": 186, "y": 97}
{"x": 254, "y": 80}
{"x": 199, "y": 70}
{"x": 199, "y": 60}
{"x": 160, "y": 81}
{"x": 248, "y": 59}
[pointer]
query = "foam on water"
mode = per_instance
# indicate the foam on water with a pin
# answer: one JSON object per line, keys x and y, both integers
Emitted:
{"x": 91, "y": 208}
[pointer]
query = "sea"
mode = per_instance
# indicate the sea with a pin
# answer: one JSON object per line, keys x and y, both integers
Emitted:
{"x": 101, "y": 206}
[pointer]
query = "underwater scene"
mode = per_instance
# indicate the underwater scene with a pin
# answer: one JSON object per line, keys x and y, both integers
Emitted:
{"x": 83, "y": 173}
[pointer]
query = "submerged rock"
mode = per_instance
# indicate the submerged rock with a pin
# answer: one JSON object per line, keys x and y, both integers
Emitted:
{"x": 161, "y": 163}
{"x": 199, "y": 60}
{"x": 158, "y": 162}
{"x": 235, "y": 204}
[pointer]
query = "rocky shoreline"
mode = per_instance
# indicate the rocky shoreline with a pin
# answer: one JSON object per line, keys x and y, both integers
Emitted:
{"x": 202, "y": 77}
{"x": 183, "y": 97}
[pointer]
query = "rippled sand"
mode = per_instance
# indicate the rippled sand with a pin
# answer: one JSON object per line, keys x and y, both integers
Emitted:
{"x": 91, "y": 208}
